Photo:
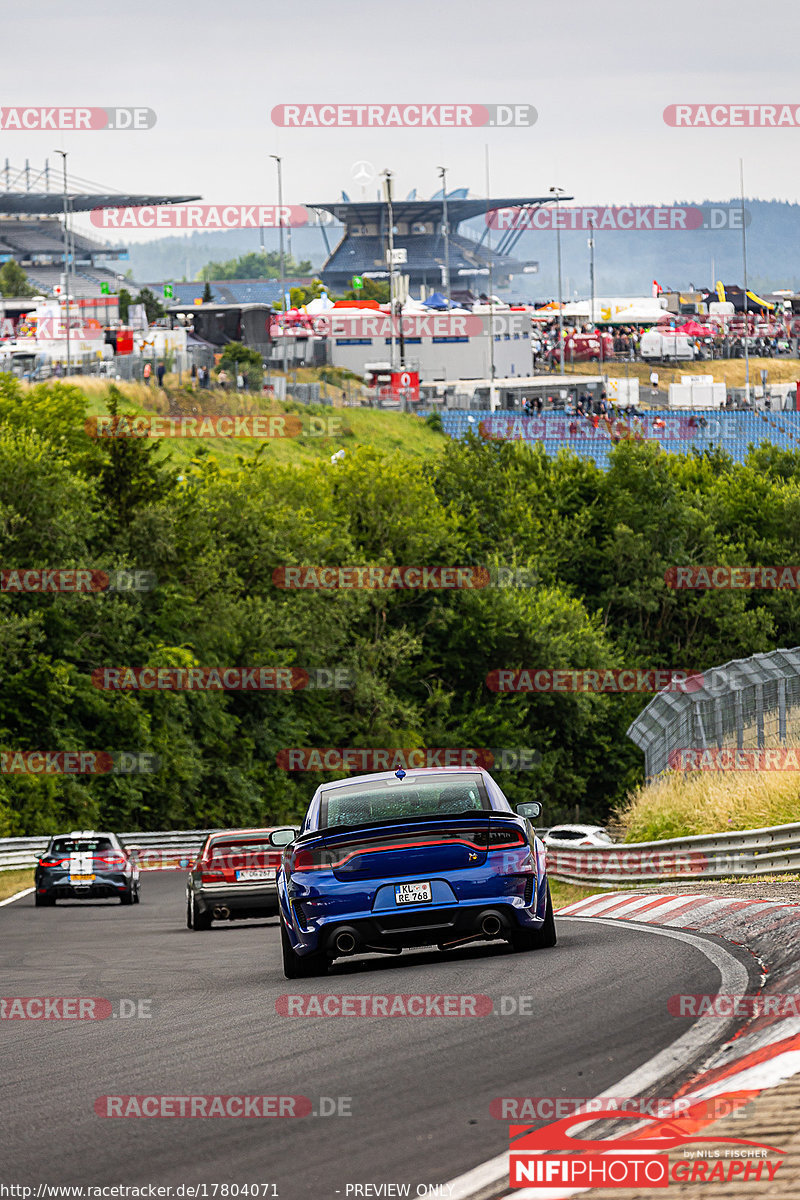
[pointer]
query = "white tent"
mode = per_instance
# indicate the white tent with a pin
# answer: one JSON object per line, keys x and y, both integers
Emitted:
{"x": 321, "y": 304}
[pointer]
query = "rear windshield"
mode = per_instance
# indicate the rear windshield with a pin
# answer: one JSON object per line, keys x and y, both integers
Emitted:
{"x": 242, "y": 853}
{"x": 414, "y": 796}
{"x": 67, "y": 845}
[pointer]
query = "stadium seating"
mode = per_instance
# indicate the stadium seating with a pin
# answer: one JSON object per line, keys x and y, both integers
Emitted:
{"x": 733, "y": 432}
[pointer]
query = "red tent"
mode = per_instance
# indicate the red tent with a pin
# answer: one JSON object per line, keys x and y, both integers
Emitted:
{"x": 694, "y": 329}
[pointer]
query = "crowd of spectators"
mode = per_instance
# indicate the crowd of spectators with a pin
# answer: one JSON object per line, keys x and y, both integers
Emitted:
{"x": 626, "y": 339}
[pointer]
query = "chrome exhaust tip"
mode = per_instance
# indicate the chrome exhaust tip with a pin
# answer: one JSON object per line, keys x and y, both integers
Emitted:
{"x": 221, "y": 912}
{"x": 345, "y": 941}
{"x": 491, "y": 925}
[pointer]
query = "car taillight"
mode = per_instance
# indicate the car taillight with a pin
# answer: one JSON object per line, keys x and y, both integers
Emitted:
{"x": 210, "y": 876}
{"x": 111, "y": 860}
{"x": 53, "y": 862}
{"x": 301, "y": 859}
{"x": 506, "y": 837}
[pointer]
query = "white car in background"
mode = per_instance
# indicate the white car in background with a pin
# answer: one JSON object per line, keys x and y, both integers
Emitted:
{"x": 565, "y": 837}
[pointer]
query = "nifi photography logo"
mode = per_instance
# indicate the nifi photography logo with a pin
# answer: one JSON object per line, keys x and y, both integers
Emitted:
{"x": 554, "y": 1157}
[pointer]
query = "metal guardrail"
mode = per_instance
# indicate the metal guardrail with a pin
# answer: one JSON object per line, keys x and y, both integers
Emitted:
{"x": 155, "y": 850}
{"x": 751, "y": 852}
{"x": 748, "y": 853}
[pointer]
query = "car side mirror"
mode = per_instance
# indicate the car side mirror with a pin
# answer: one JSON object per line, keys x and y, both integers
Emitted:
{"x": 531, "y": 809}
{"x": 284, "y": 837}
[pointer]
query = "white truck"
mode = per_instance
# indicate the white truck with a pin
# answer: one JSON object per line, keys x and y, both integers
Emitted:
{"x": 665, "y": 346}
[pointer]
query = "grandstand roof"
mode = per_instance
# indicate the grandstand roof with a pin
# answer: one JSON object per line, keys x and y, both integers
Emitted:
{"x": 46, "y": 203}
{"x": 427, "y": 210}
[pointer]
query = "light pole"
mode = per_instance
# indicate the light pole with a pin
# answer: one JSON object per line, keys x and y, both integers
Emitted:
{"x": 599, "y": 335}
{"x": 744, "y": 268}
{"x": 387, "y": 178}
{"x": 63, "y": 154}
{"x": 491, "y": 286}
{"x": 591, "y": 264}
{"x": 446, "y": 231}
{"x": 279, "y": 161}
{"x": 558, "y": 193}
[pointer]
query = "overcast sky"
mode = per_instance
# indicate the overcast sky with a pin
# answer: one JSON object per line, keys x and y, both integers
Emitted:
{"x": 599, "y": 76}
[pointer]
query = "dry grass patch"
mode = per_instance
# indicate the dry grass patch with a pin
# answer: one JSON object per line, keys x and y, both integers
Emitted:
{"x": 680, "y": 804}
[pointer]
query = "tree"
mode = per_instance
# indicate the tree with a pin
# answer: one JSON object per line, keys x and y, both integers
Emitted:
{"x": 373, "y": 289}
{"x": 134, "y": 473}
{"x": 207, "y": 295}
{"x": 299, "y": 296}
{"x": 124, "y": 299}
{"x": 256, "y": 265}
{"x": 238, "y": 357}
{"x": 152, "y": 307}
{"x": 14, "y": 281}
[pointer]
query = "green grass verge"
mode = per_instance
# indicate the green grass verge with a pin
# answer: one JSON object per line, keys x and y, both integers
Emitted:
{"x": 568, "y": 893}
{"x": 349, "y": 427}
{"x": 12, "y": 882}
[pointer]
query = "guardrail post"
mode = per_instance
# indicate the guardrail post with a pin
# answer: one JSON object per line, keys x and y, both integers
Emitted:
{"x": 737, "y": 700}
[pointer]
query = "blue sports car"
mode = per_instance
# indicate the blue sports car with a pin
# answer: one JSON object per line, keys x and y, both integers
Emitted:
{"x": 420, "y": 858}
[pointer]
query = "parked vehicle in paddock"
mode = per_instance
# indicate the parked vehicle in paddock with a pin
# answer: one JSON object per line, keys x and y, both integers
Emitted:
{"x": 233, "y": 876}
{"x": 85, "y": 865}
{"x": 434, "y": 857}
{"x": 565, "y": 837}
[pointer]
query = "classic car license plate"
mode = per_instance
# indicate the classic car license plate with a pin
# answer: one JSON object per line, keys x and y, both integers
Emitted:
{"x": 256, "y": 873}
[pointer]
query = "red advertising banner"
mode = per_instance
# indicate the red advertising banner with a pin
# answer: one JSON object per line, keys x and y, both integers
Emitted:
{"x": 405, "y": 385}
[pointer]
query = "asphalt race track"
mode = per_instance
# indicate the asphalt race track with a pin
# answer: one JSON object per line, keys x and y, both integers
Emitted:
{"x": 418, "y": 1088}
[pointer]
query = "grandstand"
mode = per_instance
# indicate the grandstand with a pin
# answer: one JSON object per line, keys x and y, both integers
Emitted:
{"x": 735, "y": 433}
{"x": 32, "y": 235}
{"x": 418, "y": 229}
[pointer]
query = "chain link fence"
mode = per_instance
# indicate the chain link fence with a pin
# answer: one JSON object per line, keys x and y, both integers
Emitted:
{"x": 747, "y": 704}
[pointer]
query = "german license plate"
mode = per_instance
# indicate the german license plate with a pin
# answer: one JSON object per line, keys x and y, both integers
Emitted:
{"x": 81, "y": 878}
{"x": 412, "y": 893}
{"x": 256, "y": 873}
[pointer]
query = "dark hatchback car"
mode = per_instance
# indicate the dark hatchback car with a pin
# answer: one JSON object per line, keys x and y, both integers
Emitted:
{"x": 86, "y": 865}
{"x": 233, "y": 876}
